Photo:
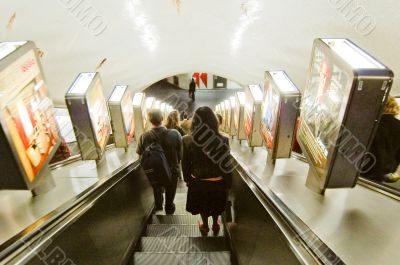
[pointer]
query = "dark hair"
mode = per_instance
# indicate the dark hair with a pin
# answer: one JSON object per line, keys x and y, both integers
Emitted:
{"x": 220, "y": 119}
{"x": 205, "y": 116}
{"x": 155, "y": 117}
{"x": 172, "y": 120}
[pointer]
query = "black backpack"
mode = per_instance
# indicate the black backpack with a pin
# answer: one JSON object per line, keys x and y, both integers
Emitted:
{"x": 155, "y": 163}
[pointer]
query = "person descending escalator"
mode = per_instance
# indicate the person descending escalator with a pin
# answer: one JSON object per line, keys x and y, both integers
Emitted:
{"x": 192, "y": 90}
{"x": 386, "y": 146}
{"x": 207, "y": 168}
{"x": 160, "y": 151}
{"x": 173, "y": 122}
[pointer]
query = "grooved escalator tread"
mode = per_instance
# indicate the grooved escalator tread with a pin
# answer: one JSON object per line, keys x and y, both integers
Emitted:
{"x": 209, "y": 258}
{"x": 183, "y": 244}
{"x": 164, "y": 230}
{"x": 175, "y": 219}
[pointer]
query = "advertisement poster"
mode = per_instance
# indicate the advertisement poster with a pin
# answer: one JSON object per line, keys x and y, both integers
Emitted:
{"x": 31, "y": 126}
{"x": 237, "y": 114}
{"x": 127, "y": 113}
{"x": 228, "y": 117}
{"x": 99, "y": 114}
{"x": 270, "y": 116}
{"x": 323, "y": 106}
{"x": 248, "y": 123}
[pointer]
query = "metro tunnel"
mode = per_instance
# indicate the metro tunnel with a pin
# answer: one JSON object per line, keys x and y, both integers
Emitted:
{"x": 305, "y": 94}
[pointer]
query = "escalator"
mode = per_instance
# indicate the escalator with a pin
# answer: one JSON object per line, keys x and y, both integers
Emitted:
{"x": 176, "y": 239}
{"x": 115, "y": 224}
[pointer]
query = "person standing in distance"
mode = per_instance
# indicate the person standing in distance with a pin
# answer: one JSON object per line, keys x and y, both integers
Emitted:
{"x": 192, "y": 89}
{"x": 171, "y": 143}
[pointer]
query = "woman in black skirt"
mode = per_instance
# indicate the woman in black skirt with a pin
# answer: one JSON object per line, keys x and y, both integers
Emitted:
{"x": 207, "y": 168}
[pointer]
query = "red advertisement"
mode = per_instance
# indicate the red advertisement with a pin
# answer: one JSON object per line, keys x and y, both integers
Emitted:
{"x": 99, "y": 114}
{"x": 270, "y": 116}
{"x": 31, "y": 126}
{"x": 248, "y": 123}
{"x": 127, "y": 113}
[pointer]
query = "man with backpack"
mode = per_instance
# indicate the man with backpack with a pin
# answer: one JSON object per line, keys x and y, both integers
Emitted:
{"x": 160, "y": 151}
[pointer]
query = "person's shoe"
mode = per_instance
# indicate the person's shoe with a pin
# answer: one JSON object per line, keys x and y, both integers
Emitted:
{"x": 391, "y": 178}
{"x": 158, "y": 208}
{"x": 204, "y": 229}
{"x": 215, "y": 229}
{"x": 170, "y": 209}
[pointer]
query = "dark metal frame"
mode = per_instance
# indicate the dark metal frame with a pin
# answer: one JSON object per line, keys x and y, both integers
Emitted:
{"x": 79, "y": 112}
{"x": 288, "y": 109}
{"x": 15, "y": 176}
{"x": 117, "y": 120}
{"x": 336, "y": 162}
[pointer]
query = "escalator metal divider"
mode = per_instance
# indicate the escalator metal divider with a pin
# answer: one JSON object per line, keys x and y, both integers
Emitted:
{"x": 33, "y": 239}
{"x": 305, "y": 244}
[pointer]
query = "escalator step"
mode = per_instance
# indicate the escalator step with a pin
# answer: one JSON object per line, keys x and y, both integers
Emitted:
{"x": 210, "y": 258}
{"x": 175, "y": 219}
{"x": 176, "y": 231}
{"x": 183, "y": 244}
{"x": 179, "y": 210}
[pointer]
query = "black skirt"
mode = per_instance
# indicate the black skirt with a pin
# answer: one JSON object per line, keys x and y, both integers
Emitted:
{"x": 208, "y": 197}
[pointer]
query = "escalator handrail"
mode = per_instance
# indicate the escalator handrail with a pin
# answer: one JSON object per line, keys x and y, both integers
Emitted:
{"x": 308, "y": 247}
{"x": 49, "y": 226}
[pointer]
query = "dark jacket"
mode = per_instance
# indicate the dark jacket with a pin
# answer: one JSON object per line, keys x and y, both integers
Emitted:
{"x": 209, "y": 160}
{"x": 192, "y": 86}
{"x": 385, "y": 148}
{"x": 180, "y": 130}
{"x": 171, "y": 143}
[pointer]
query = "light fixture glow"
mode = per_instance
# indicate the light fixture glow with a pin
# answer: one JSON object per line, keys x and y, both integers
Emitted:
{"x": 137, "y": 99}
{"x": 256, "y": 92}
{"x": 250, "y": 10}
{"x": 149, "y": 102}
{"x": 148, "y": 32}
{"x": 283, "y": 82}
{"x": 8, "y": 47}
{"x": 118, "y": 93}
{"x": 242, "y": 97}
{"x": 81, "y": 84}
{"x": 353, "y": 55}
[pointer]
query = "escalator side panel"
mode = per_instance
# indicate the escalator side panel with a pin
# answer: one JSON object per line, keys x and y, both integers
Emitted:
{"x": 256, "y": 238}
{"x": 106, "y": 233}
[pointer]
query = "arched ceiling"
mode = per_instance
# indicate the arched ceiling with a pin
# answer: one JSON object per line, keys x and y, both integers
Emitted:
{"x": 145, "y": 41}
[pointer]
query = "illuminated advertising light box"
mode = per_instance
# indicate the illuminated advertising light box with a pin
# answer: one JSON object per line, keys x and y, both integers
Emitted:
{"x": 342, "y": 102}
{"x": 29, "y": 134}
{"x": 156, "y": 104}
{"x": 218, "y": 109}
{"x": 223, "y": 113}
{"x": 280, "y": 108}
{"x": 232, "y": 127}
{"x": 89, "y": 114}
{"x": 121, "y": 113}
{"x": 164, "y": 111}
{"x": 139, "y": 114}
{"x": 227, "y": 116}
{"x": 148, "y": 106}
{"x": 239, "y": 115}
{"x": 253, "y": 107}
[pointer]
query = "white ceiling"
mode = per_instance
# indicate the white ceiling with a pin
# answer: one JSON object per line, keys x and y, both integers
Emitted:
{"x": 146, "y": 41}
